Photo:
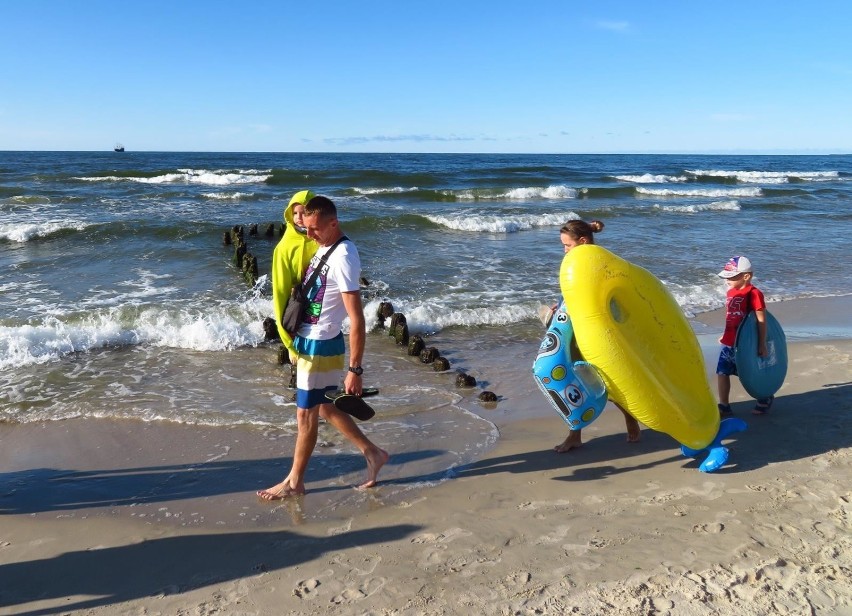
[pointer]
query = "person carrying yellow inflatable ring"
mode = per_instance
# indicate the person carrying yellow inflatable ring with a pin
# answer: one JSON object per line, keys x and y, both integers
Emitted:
{"x": 290, "y": 261}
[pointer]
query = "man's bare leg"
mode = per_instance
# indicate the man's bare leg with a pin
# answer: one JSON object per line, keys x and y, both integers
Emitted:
{"x": 375, "y": 456}
{"x": 572, "y": 441}
{"x": 306, "y": 440}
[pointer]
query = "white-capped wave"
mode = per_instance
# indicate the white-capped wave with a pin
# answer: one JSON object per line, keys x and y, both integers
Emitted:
{"x": 766, "y": 177}
{"x": 555, "y": 191}
{"x": 720, "y": 193}
{"x": 651, "y": 178}
{"x": 25, "y": 231}
{"x": 695, "y": 298}
{"x": 217, "y": 327}
{"x": 190, "y": 176}
{"x": 731, "y": 206}
{"x": 499, "y": 224}
{"x": 384, "y": 191}
{"x": 233, "y": 196}
{"x": 436, "y": 315}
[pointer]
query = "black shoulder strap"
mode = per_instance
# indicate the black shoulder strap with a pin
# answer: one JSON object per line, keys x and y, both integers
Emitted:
{"x": 310, "y": 281}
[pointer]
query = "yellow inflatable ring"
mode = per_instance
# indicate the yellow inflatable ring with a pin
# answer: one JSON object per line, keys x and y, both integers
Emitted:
{"x": 632, "y": 330}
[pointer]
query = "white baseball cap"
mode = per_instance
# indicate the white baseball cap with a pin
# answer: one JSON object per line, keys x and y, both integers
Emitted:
{"x": 736, "y": 266}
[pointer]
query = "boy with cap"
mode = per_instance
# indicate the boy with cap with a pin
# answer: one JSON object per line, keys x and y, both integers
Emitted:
{"x": 742, "y": 298}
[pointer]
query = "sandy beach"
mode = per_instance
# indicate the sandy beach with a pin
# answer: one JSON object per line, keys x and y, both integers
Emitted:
{"x": 125, "y": 517}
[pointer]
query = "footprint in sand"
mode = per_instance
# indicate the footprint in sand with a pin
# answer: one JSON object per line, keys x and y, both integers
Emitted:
{"x": 304, "y": 589}
{"x": 350, "y": 595}
{"x": 713, "y": 529}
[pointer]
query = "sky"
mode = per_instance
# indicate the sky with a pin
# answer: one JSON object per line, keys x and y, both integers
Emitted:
{"x": 550, "y": 76}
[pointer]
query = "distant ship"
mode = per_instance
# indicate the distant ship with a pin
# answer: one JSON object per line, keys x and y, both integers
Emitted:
{"x": 118, "y": 147}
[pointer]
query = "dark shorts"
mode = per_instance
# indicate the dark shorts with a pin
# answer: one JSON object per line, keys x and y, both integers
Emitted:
{"x": 727, "y": 362}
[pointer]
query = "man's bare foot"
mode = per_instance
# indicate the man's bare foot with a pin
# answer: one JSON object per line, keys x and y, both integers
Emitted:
{"x": 280, "y": 491}
{"x": 375, "y": 461}
{"x": 634, "y": 432}
{"x": 573, "y": 441}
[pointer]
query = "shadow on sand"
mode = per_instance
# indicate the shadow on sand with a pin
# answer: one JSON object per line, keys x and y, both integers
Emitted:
{"x": 48, "y": 490}
{"x": 798, "y": 426}
{"x": 167, "y": 566}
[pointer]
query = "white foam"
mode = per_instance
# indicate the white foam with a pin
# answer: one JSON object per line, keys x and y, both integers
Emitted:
{"x": 557, "y": 191}
{"x": 727, "y": 206}
{"x": 235, "y": 196}
{"x": 190, "y": 176}
{"x": 651, "y": 178}
{"x": 767, "y": 177}
{"x": 220, "y": 326}
{"x": 384, "y": 191}
{"x": 713, "y": 193}
{"x": 25, "y": 231}
{"x": 463, "y": 221}
{"x": 437, "y": 314}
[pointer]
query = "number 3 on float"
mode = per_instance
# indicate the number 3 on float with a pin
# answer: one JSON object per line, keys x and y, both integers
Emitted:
{"x": 573, "y": 387}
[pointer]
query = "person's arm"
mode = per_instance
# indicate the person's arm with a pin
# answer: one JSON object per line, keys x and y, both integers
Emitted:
{"x": 353, "y": 383}
{"x": 761, "y": 333}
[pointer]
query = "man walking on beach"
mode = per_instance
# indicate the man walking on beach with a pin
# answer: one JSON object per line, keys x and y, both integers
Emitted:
{"x": 321, "y": 349}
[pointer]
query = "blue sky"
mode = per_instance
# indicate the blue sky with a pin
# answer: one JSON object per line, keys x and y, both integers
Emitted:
{"x": 408, "y": 76}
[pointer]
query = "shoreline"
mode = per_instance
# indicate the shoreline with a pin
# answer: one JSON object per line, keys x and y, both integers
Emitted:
{"x": 124, "y": 516}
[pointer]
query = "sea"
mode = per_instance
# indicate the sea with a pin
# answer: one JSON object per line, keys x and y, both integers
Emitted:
{"x": 119, "y": 299}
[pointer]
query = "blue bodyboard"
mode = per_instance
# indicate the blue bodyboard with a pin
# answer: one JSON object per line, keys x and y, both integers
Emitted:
{"x": 761, "y": 377}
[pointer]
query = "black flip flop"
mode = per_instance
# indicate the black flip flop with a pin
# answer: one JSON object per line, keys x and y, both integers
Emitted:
{"x": 352, "y": 404}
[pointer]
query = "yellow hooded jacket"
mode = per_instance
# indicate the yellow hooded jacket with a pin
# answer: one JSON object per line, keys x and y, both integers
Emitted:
{"x": 290, "y": 260}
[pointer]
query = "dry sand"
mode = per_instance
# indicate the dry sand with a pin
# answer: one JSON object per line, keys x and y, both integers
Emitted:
{"x": 154, "y": 519}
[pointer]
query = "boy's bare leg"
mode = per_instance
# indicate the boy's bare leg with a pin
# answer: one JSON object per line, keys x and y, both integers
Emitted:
{"x": 723, "y": 382}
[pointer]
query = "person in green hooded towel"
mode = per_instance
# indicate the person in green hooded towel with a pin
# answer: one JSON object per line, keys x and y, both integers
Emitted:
{"x": 290, "y": 261}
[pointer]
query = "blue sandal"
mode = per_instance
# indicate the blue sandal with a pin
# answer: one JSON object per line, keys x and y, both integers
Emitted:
{"x": 763, "y": 405}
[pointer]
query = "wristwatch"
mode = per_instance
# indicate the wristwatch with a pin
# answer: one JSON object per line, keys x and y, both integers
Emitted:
{"x": 357, "y": 370}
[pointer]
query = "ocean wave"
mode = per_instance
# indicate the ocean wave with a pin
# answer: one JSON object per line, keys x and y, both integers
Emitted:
{"x": 732, "y": 205}
{"x": 556, "y": 191}
{"x": 25, "y": 200}
{"x": 464, "y": 221}
{"x": 26, "y": 231}
{"x": 188, "y": 176}
{"x": 395, "y": 190}
{"x": 234, "y": 196}
{"x": 651, "y": 178}
{"x": 700, "y": 192}
{"x": 220, "y": 327}
{"x": 766, "y": 177}
{"x": 435, "y": 316}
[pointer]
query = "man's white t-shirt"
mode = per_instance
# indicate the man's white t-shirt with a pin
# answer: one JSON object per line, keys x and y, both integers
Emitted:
{"x": 341, "y": 273}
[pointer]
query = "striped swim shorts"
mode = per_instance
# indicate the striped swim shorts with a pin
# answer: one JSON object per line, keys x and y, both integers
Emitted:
{"x": 319, "y": 369}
